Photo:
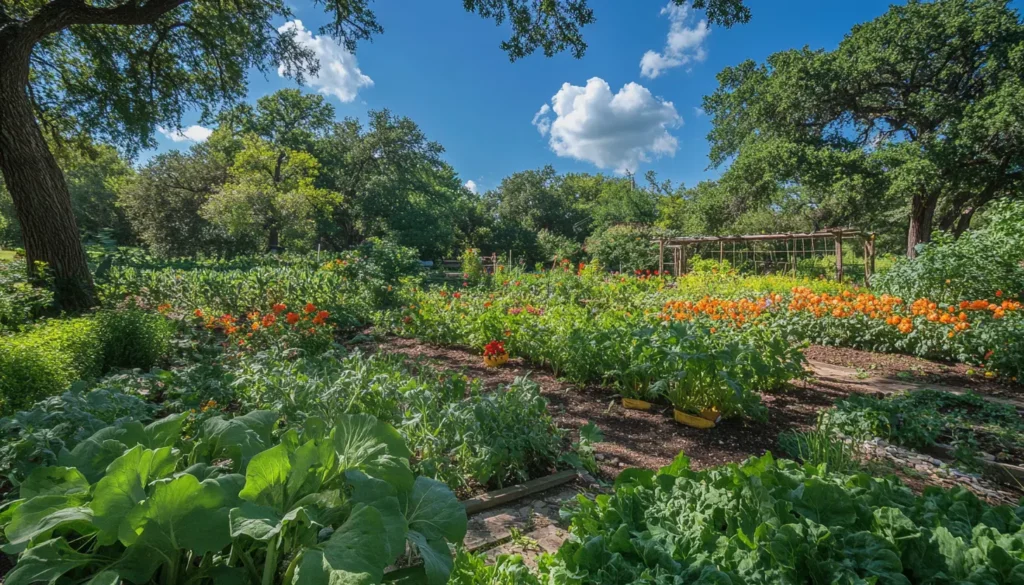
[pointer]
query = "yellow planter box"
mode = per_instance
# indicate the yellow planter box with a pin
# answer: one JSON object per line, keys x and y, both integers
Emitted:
{"x": 493, "y": 361}
{"x": 712, "y": 414}
{"x": 634, "y": 404}
{"x": 693, "y": 421}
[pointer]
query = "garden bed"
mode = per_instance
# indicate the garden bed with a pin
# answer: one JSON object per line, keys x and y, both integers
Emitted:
{"x": 636, "y": 438}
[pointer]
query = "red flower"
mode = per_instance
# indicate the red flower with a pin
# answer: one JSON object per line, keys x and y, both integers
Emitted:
{"x": 494, "y": 348}
{"x": 291, "y": 318}
{"x": 457, "y": 295}
{"x": 309, "y": 308}
{"x": 278, "y": 308}
{"x": 198, "y": 313}
{"x": 269, "y": 320}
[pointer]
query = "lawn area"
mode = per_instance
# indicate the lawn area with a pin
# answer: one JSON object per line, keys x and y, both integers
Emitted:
{"x": 7, "y": 255}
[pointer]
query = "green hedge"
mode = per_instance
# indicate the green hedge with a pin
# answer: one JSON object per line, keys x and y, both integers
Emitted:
{"x": 45, "y": 360}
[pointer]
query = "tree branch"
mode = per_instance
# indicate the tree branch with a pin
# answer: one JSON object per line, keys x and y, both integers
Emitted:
{"x": 60, "y": 14}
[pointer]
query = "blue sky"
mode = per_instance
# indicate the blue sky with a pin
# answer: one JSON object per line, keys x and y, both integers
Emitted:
{"x": 443, "y": 67}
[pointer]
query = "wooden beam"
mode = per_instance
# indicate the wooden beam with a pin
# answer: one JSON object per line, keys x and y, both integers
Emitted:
{"x": 509, "y": 494}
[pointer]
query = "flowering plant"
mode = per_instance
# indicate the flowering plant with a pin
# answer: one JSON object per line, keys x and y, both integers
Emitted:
{"x": 309, "y": 330}
{"x": 494, "y": 348}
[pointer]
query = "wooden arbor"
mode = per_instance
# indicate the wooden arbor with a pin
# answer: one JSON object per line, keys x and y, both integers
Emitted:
{"x": 773, "y": 252}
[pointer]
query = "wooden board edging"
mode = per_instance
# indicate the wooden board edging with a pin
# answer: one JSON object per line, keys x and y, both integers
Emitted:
{"x": 510, "y": 494}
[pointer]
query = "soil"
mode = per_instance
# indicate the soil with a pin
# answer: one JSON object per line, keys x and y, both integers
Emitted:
{"x": 915, "y": 370}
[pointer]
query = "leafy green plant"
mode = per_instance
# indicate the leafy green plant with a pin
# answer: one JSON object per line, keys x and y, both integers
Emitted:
{"x": 132, "y": 338}
{"x": 583, "y": 450}
{"x": 326, "y": 502}
{"x": 821, "y": 446}
{"x": 46, "y": 360}
{"x": 472, "y": 266}
{"x": 774, "y": 521}
{"x": 475, "y": 569}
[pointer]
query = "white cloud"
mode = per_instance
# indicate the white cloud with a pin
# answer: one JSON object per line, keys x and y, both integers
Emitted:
{"x": 617, "y": 131}
{"x": 471, "y": 185}
{"x": 685, "y": 44}
{"x": 194, "y": 133}
{"x": 339, "y": 73}
{"x": 698, "y": 111}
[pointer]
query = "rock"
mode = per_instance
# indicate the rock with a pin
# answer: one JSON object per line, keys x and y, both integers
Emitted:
{"x": 599, "y": 456}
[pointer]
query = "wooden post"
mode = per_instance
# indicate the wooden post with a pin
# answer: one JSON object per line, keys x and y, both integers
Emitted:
{"x": 682, "y": 253}
{"x": 839, "y": 257}
{"x": 869, "y": 258}
{"x": 661, "y": 256}
{"x": 721, "y": 252}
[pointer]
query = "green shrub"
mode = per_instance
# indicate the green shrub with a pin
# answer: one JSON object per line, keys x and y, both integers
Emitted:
{"x": 45, "y": 360}
{"x": 973, "y": 266}
{"x": 20, "y": 300}
{"x": 131, "y": 338}
{"x": 624, "y": 248}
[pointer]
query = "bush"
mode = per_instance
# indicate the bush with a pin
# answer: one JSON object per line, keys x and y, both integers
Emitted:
{"x": 131, "y": 338}
{"x": 45, "y": 360}
{"x": 974, "y": 266}
{"x": 625, "y": 248}
{"x": 20, "y": 300}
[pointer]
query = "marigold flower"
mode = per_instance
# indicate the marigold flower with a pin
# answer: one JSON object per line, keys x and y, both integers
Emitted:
{"x": 278, "y": 308}
{"x": 198, "y": 313}
{"x": 309, "y": 308}
{"x": 269, "y": 320}
{"x": 291, "y": 318}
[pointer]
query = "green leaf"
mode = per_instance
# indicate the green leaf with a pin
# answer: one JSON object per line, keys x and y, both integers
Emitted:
{"x": 382, "y": 496}
{"x": 164, "y": 432}
{"x": 258, "y": 522}
{"x": 356, "y": 554}
{"x": 125, "y": 485}
{"x": 437, "y": 558}
{"x": 54, "y": 481}
{"x": 37, "y": 518}
{"x": 362, "y": 442}
{"x": 680, "y": 464}
{"x": 46, "y": 563}
{"x": 435, "y": 517}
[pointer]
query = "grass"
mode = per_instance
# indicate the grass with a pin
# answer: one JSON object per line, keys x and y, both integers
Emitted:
{"x": 6, "y": 255}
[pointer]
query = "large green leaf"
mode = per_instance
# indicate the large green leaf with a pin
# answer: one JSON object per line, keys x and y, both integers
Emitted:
{"x": 365, "y": 443}
{"x": 239, "y": 438}
{"x": 435, "y": 517}
{"x": 36, "y": 519}
{"x": 382, "y": 496}
{"x": 125, "y": 485}
{"x": 53, "y": 481}
{"x": 182, "y": 514}
{"x": 356, "y": 554}
{"x": 46, "y": 563}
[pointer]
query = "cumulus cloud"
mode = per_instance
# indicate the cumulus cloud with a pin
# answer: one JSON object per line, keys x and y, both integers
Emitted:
{"x": 194, "y": 133}
{"x": 471, "y": 185}
{"x": 339, "y": 73}
{"x": 685, "y": 43}
{"x": 616, "y": 131}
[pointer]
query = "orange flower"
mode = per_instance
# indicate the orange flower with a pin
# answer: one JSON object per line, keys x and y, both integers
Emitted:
{"x": 291, "y": 318}
{"x": 198, "y": 313}
{"x": 278, "y": 308}
{"x": 269, "y": 320}
{"x": 323, "y": 315}
{"x": 164, "y": 307}
{"x": 999, "y": 293}
{"x": 309, "y": 308}
{"x": 255, "y": 326}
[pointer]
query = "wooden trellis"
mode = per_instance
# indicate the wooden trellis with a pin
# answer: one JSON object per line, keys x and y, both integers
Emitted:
{"x": 768, "y": 252}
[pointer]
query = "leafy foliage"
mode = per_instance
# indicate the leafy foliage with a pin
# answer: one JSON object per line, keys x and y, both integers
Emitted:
{"x": 322, "y": 503}
{"x": 772, "y": 521}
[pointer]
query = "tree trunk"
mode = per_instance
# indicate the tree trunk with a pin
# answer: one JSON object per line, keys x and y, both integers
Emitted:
{"x": 37, "y": 186}
{"x": 274, "y": 241}
{"x": 922, "y": 211}
{"x": 963, "y": 221}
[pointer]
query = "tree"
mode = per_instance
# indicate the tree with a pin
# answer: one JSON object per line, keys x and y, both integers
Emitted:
{"x": 923, "y": 104}
{"x": 269, "y": 196}
{"x": 118, "y": 68}
{"x": 163, "y": 201}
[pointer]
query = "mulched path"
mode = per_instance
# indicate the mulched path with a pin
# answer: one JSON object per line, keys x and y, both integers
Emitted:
{"x": 633, "y": 438}
{"x": 916, "y": 370}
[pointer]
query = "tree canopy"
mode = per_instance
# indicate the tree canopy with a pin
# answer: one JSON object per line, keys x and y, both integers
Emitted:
{"x": 920, "y": 108}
